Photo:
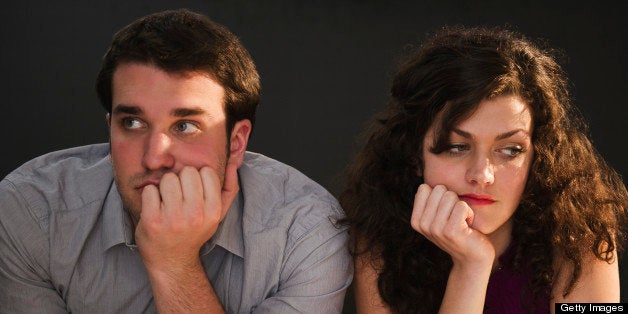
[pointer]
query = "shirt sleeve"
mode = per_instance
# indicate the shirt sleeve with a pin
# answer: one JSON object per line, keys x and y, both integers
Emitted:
{"x": 316, "y": 274}
{"x": 25, "y": 286}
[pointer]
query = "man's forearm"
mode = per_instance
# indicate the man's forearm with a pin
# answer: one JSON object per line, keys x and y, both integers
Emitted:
{"x": 184, "y": 290}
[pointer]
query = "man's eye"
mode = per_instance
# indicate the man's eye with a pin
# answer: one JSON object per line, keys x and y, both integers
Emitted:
{"x": 132, "y": 123}
{"x": 186, "y": 127}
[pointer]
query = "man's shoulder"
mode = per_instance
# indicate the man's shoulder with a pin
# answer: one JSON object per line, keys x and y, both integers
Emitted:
{"x": 285, "y": 183}
{"x": 61, "y": 180}
{"x": 61, "y": 161}
{"x": 278, "y": 194}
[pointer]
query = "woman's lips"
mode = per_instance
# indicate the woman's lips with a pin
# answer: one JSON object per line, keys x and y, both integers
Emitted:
{"x": 477, "y": 199}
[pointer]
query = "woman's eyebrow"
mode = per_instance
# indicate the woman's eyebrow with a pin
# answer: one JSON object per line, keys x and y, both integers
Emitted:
{"x": 511, "y": 133}
{"x": 462, "y": 133}
{"x": 500, "y": 136}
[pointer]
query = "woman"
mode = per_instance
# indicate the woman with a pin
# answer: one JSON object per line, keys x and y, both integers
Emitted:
{"x": 477, "y": 188}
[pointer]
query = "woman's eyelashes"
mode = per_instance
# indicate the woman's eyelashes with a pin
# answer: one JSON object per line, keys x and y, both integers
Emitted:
{"x": 512, "y": 151}
{"x": 509, "y": 151}
{"x": 457, "y": 148}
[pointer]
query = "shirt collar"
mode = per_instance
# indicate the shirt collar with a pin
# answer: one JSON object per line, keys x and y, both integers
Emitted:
{"x": 262, "y": 185}
{"x": 256, "y": 192}
{"x": 229, "y": 232}
{"x": 117, "y": 226}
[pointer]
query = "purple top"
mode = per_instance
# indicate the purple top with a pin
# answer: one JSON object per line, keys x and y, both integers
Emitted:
{"x": 505, "y": 286}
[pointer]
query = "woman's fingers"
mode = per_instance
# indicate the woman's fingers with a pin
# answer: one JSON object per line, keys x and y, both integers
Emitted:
{"x": 441, "y": 217}
{"x": 431, "y": 208}
{"x": 443, "y": 213}
{"x": 420, "y": 199}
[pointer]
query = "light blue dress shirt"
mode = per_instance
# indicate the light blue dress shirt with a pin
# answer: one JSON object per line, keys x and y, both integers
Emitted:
{"x": 66, "y": 243}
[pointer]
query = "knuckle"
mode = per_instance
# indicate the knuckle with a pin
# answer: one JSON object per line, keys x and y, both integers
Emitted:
{"x": 460, "y": 205}
{"x": 186, "y": 170}
{"x": 449, "y": 232}
{"x": 425, "y": 223}
{"x": 450, "y": 195}
{"x": 168, "y": 176}
{"x": 423, "y": 188}
{"x": 213, "y": 219}
{"x": 435, "y": 230}
{"x": 177, "y": 225}
{"x": 439, "y": 188}
{"x": 195, "y": 210}
{"x": 150, "y": 223}
{"x": 414, "y": 222}
{"x": 205, "y": 172}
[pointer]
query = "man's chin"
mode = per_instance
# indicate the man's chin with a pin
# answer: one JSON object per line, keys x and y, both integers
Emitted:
{"x": 132, "y": 207}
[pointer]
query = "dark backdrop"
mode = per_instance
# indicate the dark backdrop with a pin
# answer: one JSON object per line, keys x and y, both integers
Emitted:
{"x": 325, "y": 68}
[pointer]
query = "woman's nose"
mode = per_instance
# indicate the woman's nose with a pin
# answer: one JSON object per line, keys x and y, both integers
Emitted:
{"x": 481, "y": 171}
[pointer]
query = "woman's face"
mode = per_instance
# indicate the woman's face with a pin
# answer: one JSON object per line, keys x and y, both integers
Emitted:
{"x": 487, "y": 162}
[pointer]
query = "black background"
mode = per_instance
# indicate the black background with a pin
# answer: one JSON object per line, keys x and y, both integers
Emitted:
{"x": 325, "y": 68}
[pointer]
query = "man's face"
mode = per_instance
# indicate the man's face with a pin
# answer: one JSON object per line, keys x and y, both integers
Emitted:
{"x": 161, "y": 122}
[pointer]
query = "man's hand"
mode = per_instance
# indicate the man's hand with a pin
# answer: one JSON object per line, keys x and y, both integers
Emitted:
{"x": 183, "y": 214}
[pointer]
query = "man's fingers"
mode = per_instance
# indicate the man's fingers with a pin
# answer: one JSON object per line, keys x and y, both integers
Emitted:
{"x": 211, "y": 190}
{"x": 151, "y": 201}
{"x": 192, "y": 188}
{"x": 170, "y": 189}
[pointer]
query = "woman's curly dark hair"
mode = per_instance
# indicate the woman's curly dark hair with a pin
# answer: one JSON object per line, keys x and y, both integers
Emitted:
{"x": 572, "y": 197}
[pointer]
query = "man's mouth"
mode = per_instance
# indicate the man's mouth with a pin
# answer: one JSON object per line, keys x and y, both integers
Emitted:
{"x": 146, "y": 183}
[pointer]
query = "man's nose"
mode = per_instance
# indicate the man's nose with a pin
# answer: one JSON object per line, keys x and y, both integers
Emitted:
{"x": 158, "y": 152}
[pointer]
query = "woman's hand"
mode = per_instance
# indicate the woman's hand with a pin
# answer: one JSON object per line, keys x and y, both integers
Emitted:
{"x": 441, "y": 217}
{"x": 445, "y": 220}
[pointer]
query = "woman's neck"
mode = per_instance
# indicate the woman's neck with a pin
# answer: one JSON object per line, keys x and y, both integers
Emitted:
{"x": 501, "y": 239}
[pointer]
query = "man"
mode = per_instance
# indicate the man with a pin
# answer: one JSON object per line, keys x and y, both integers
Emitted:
{"x": 173, "y": 215}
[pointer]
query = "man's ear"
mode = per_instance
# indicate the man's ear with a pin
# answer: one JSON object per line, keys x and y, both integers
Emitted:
{"x": 239, "y": 139}
{"x": 108, "y": 119}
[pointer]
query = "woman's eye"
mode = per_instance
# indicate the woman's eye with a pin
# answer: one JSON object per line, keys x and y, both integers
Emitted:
{"x": 131, "y": 123}
{"x": 457, "y": 148}
{"x": 186, "y": 127}
{"x": 512, "y": 151}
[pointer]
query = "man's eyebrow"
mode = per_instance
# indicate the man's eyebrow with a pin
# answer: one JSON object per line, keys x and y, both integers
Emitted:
{"x": 511, "y": 133}
{"x": 127, "y": 109}
{"x": 185, "y": 112}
